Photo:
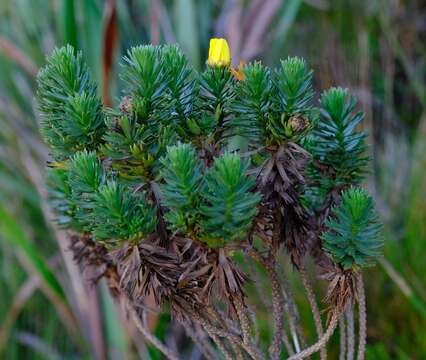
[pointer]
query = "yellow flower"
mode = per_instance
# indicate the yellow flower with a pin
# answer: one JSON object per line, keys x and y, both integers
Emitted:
{"x": 219, "y": 53}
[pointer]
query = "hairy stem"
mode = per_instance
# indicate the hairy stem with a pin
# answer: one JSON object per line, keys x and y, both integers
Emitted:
{"x": 226, "y": 325}
{"x": 277, "y": 305}
{"x": 251, "y": 349}
{"x": 220, "y": 345}
{"x": 243, "y": 318}
{"x": 213, "y": 332}
{"x": 254, "y": 275}
{"x": 342, "y": 328}
{"x": 245, "y": 328}
{"x": 362, "y": 318}
{"x": 349, "y": 313}
{"x": 314, "y": 308}
{"x": 322, "y": 341}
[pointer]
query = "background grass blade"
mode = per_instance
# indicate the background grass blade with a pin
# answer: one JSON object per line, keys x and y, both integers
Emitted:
{"x": 18, "y": 56}
{"x": 14, "y": 234}
{"x": 109, "y": 41}
{"x": 70, "y": 23}
{"x": 187, "y": 29}
{"x": 90, "y": 36}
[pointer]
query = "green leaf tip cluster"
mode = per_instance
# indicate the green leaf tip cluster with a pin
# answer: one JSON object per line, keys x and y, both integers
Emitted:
{"x": 253, "y": 102}
{"x": 85, "y": 200}
{"x": 144, "y": 76}
{"x": 294, "y": 84}
{"x": 193, "y": 170}
{"x": 182, "y": 186}
{"x": 161, "y": 82}
{"x": 72, "y": 113}
{"x": 354, "y": 236}
{"x": 157, "y": 111}
{"x": 121, "y": 214}
{"x": 215, "y": 207}
{"x": 338, "y": 146}
{"x": 229, "y": 205}
{"x": 274, "y": 108}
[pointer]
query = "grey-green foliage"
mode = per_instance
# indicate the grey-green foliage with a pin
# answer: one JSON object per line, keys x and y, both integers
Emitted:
{"x": 60, "y": 199}
{"x": 84, "y": 200}
{"x": 253, "y": 102}
{"x": 71, "y": 111}
{"x": 182, "y": 175}
{"x": 158, "y": 110}
{"x": 181, "y": 92}
{"x": 293, "y": 82}
{"x": 144, "y": 76}
{"x": 218, "y": 205}
{"x": 229, "y": 206}
{"x": 353, "y": 235}
{"x": 272, "y": 108}
{"x": 338, "y": 144}
{"x": 217, "y": 91}
{"x": 85, "y": 175}
{"x": 121, "y": 214}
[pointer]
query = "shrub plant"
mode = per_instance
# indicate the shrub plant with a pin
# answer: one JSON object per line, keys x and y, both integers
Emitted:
{"x": 201, "y": 183}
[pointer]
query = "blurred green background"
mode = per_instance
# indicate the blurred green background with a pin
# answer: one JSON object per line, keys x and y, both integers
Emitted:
{"x": 377, "y": 48}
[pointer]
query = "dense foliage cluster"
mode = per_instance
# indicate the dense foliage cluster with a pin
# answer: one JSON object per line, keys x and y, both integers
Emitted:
{"x": 194, "y": 166}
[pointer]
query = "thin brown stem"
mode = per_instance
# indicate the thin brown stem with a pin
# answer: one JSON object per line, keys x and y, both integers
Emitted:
{"x": 243, "y": 318}
{"x": 210, "y": 329}
{"x": 253, "y": 319}
{"x": 292, "y": 313}
{"x": 254, "y": 275}
{"x": 362, "y": 318}
{"x": 277, "y": 304}
{"x": 244, "y": 325}
{"x": 229, "y": 327}
{"x": 342, "y": 331}
{"x": 314, "y": 308}
{"x": 322, "y": 341}
{"x": 219, "y": 344}
{"x": 245, "y": 328}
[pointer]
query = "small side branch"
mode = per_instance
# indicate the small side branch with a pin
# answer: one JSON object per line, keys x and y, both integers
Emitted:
{"x": 314, "y": 308}
{"x": 212, "y": 330}
{"x": 219, "y": 345}
{"x": 277, "y": 305}
{"x": 245, "y": 328}
{"x": 217, "y": 316}
{"x": 243, "y": 318}
{"x": 322, "y": 341}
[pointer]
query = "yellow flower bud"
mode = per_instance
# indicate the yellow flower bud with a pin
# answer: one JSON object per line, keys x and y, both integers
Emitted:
{"x": 219, "y": 53}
